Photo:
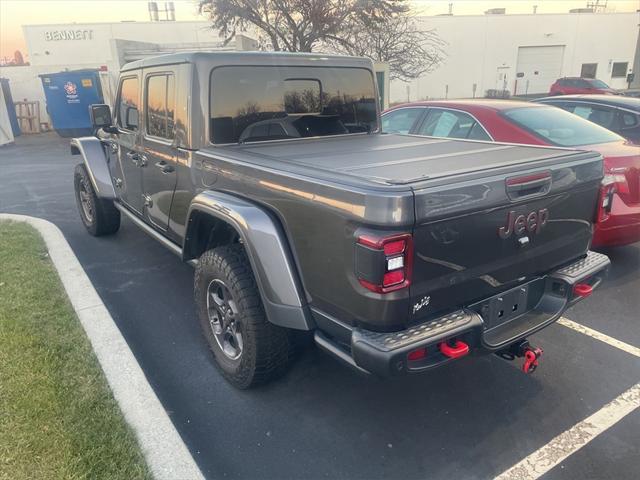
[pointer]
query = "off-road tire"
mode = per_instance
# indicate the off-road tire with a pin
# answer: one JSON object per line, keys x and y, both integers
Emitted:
{"x": 267, "y": 349}
{"x": 105, "y": 217}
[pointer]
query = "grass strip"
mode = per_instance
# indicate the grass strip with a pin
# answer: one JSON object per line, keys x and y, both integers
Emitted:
{"x": 58, "y": 417}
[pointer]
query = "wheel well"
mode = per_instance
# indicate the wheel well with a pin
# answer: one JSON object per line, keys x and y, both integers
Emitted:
{"x": 206, "y": 232}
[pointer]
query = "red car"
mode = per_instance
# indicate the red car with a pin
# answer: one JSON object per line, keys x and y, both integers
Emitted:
{"x": 577, "y": 85}
{"x": 507, "y": 121}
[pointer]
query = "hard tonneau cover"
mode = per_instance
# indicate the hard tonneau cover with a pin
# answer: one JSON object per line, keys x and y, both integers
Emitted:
{"x": 394, "y": 159}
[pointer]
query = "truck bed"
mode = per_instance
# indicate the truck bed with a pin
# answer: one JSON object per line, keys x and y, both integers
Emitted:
{"x": 453, "y": 196}
{"x": 400, "y": 160}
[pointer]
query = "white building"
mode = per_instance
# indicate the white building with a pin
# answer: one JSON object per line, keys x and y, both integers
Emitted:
{"x": 520, "y": 53}
{"x": 525, "y": 54}
{"x": 105, "y": 46}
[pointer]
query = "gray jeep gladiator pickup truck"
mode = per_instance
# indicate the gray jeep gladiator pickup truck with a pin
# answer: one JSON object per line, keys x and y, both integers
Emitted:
{"x": 270, "y": 174}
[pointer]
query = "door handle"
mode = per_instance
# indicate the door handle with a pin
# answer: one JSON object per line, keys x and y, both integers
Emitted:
{"x": 138, "y": 159}
{"x": 164, "y": 167}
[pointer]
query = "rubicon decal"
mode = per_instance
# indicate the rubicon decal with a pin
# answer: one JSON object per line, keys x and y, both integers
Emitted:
{"x": 531, "y": 222}
{"x": 422, "y": 303}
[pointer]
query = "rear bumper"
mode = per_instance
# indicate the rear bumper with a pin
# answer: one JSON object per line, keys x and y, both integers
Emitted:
{"x": 621, "y": 228}
{"x": 387, "y": 354}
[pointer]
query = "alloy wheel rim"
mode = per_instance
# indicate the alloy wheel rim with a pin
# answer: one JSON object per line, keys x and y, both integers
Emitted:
{"x": 85, "y": 201}
{"x": 222, "y": 312}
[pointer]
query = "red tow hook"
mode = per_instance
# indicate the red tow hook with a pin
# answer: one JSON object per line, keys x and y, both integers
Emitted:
{"x": 583, "y": 289}
{"x": 459, "y": 349}
{"x": 531, "y": 357}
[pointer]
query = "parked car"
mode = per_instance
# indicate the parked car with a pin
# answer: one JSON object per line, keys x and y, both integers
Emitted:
{"x": 396, "y": 260}
{"x": 616, "y": 113}
{"x": 577, "y": 85}
{"x": 538, "y": 124}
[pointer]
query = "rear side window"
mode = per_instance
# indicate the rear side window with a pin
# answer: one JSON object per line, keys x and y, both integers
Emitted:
{"x": 400, "y": 120}
{"x": 452, "y": 124}
{"x": 478, "y": 133}
{"x": 559, "y": 127}
{"x": 601, "y": 115}
{"x": 629, "y": 120}
{"x": 160, "y": 106}
{"x": 128, "y": 104}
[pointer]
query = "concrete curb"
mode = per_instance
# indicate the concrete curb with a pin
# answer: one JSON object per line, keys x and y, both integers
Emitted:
{"x": 165, "y": 452}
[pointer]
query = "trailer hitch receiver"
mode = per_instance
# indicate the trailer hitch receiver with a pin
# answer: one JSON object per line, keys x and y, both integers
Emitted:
{"x": 523, "y": 349}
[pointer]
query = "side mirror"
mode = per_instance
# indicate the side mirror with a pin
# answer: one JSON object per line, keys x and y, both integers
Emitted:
{"x": 101, "y": 117}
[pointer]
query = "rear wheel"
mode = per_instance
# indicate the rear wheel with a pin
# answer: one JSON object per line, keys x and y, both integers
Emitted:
{"x": 100, "y": 217}
{"x": 248, "y": 349}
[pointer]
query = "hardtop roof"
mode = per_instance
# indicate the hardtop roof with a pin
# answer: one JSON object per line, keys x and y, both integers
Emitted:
{"x": 248, "y": 58}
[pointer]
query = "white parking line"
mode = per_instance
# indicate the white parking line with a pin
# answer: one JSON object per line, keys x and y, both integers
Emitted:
{"x": 572, "y": 440}
{"x": 599, "y": 336}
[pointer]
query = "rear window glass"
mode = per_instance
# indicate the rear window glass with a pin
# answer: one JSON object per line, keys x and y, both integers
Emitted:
{"x": 560, "y": 127}
{"x": 597, "y": 84}
{"x": 306, "y": 101}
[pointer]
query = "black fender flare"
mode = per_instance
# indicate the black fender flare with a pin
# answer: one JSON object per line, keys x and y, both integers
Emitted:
{"x": 93, "y": 155}
{"x": 268, "y": 252}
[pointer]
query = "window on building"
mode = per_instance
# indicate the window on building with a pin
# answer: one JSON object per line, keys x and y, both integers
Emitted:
{"x": 451, "y": 124}
{"x": 400, "y": 120}
{"x": 589, "y": 70}
{"x": 619, "y": 69}
{"x": 160, "y": 106}
{"x": 128, "y": 104}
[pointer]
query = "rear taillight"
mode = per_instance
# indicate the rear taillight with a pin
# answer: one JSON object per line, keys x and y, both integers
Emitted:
{"x": 618, "y": 178}
{"x": 383, "y": 264}
{"x": 607, "y": 189}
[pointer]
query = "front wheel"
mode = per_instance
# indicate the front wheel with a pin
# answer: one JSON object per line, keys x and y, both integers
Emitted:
{"x": 100, "y": 217}
{"x": 248, "y": 349}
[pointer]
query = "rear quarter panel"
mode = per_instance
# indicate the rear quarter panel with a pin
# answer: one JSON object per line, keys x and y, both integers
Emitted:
{"x": 320, "y": 219}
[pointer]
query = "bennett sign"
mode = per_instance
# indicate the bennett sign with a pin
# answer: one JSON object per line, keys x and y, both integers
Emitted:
{"x": 56, "y": 35}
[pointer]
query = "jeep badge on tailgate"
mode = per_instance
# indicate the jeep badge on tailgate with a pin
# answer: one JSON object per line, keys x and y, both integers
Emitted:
{"x": 532, "y": 223}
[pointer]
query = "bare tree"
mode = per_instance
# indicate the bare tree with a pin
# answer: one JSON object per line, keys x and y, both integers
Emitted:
{"x": 296, "y": 25}
{"x": 382, "y": 30}
{"x": 397, "y": 40}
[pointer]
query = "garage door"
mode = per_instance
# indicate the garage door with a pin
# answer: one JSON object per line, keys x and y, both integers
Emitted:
{"x": 538, "y": 68}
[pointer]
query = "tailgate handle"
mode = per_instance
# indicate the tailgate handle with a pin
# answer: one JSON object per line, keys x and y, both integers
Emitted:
{"x": 528, "y": 185}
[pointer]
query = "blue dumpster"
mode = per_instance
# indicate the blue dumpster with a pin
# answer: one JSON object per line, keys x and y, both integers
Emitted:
{"x": 68, "y": 96}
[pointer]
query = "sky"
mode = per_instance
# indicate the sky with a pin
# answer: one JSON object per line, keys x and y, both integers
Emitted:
{"x": 15, "y": 13}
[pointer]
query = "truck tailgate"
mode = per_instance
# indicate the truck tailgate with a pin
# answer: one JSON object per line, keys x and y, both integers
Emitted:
{"x": 480, "y": 233}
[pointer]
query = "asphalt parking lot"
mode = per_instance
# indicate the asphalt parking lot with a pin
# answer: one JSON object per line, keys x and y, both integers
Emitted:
{"x": 474, "y": 418}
